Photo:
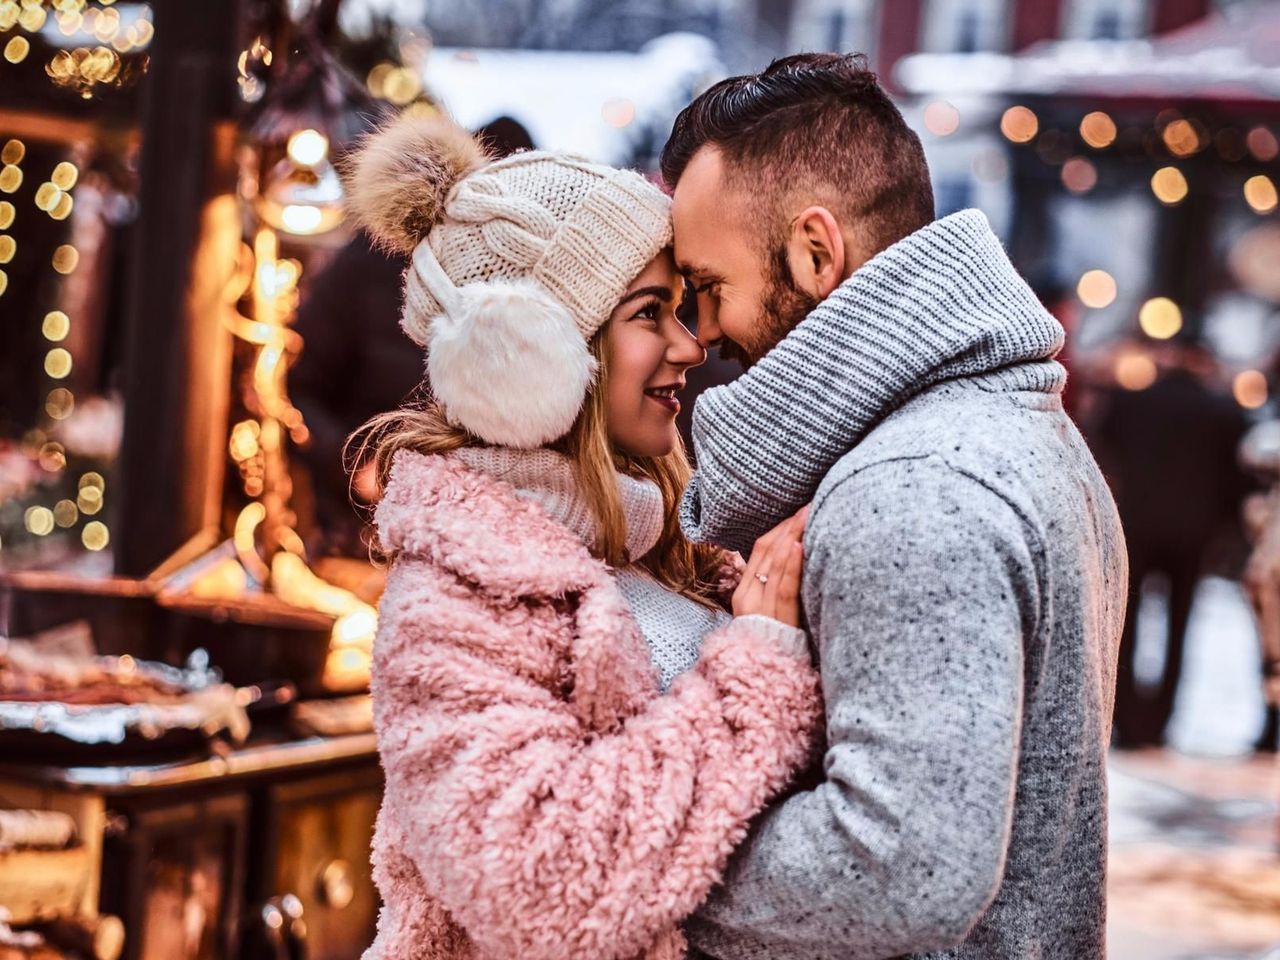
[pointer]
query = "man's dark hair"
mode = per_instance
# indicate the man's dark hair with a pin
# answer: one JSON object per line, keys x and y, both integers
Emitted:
{"x": 819, "y": 122}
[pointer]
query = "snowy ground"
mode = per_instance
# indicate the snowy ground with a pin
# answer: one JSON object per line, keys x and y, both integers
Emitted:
{"x": 1195, "y": 871}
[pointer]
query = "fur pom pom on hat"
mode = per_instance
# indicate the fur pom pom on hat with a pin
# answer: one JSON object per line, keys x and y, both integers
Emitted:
{"x": 397, "y": 182}
{"x": 517, "y": 263}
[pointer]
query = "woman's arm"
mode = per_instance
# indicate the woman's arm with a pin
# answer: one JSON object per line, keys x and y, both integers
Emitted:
{"x": 540, "y": 835}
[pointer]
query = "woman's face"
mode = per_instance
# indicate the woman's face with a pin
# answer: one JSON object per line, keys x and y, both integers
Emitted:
{"x": 648, "y": 352}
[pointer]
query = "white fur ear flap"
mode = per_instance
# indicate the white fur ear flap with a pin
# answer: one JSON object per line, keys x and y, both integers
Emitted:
{"x": 509, "y": 364}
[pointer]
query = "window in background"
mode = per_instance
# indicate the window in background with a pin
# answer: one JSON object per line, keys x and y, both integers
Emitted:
{"x": 843, "y": 26}
{"x": 1106, "y": 19}
{"x": 966, "y": 26}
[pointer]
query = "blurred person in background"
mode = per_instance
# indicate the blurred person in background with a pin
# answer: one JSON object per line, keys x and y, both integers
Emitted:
{"x": 356, "y": 362}
{"x": 1169, "y": 453}
{"x": 1260, "y": 454}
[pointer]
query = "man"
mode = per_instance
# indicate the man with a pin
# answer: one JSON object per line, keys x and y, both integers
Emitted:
{"x": 965, "y": 572}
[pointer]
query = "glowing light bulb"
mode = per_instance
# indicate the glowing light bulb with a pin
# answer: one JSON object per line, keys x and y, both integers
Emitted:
{"x": 308, "y": 147}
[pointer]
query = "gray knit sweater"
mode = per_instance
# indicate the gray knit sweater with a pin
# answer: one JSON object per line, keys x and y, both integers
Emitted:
{"x": 964, "y": 585}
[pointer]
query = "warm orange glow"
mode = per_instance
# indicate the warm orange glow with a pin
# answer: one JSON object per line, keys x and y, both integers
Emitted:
{"x": 1019, "y": 124}
{"x": 1250, "y": 389}
{"x": 1160, "y": 318}
{"x": 1260, "y": 193}
{"x": 1135, "y": 371}
{"x": 1169, "y": 185}
{"x": 1098, "y": 130}
{"x": 1183, "y": 139}
{"x": 1096, "y": 289}
{"x": 66, "y": 258}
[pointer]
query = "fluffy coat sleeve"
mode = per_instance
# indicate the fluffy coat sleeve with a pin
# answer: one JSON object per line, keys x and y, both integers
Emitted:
{"x": 553, "y": 803}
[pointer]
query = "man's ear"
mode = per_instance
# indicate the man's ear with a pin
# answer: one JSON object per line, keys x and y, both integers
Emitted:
{"x": 816, "y": 252}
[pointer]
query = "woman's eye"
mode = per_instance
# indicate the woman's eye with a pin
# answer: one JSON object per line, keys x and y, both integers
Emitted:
{"x": 649, "y": 311}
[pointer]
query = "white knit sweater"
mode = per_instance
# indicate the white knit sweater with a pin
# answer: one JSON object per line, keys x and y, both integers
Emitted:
{"x": 672, "y": 624}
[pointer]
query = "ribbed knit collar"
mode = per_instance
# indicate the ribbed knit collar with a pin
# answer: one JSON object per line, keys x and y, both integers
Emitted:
{"x": 546, "y": 478}
{"x": 944, "y": 304}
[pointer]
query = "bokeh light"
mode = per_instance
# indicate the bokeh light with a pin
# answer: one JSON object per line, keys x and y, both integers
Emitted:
{"x": 1098, "y": 130}
{"x": 1096, "y": 289}
{"x": 1169, "y": 185}
{"x": 38, "y": 520}
{"x": 66, "y": 258}
{"x": 1183, "y": 138}
{"x": 10, "y": 178}
{"x": 16, "y": 50}
{"x": 308, "y": 147}
{"x": 60, "y": 403}
{"x": 1262, "y": 144}
{"x": 7, "y": 213}
{"x": 57, "y": 363}
{"x": 1250, "y": 389}
{"x": 1079, "y": 175}
{"x": 618, "y": 113}
{"x": 941, "y": 118}
{"x": 1019, "y": 125}
{"x": 65, "y": 175}
{"x": 56, "y": 325}
{"x": 95, "y": 535}
{"x": 1135, "y": 370}
{"x": 8, "y": 246}
{"x": 65, "y": 514}
{"x": 13, "y": 152}
{"x": 1260, "y": 193}
{"x": 1160, "y": 318}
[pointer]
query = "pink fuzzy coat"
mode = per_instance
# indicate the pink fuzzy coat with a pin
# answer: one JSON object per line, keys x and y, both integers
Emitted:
{"x": 542, "y": 799}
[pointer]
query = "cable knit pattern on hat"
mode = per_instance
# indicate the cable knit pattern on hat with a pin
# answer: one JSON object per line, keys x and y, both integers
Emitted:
{"x": 582, "y": 230}
{"x": 542, "y": 800}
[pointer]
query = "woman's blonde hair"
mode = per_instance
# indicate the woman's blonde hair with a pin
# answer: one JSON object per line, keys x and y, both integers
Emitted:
{"x": 691, "y": 569}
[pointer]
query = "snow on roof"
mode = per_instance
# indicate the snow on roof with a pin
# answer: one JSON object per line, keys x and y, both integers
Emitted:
{"x": 591, "y": 104}
{"x": 1217, "y": 58}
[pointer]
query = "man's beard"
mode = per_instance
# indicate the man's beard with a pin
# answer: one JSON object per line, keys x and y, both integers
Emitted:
{"x": 782, "y": 307}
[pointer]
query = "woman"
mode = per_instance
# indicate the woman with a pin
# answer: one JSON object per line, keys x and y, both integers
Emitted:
{"x": 574, "y": 731}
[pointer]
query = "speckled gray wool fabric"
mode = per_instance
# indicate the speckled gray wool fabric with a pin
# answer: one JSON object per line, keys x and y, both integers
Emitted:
{"x": 965, "y": 584}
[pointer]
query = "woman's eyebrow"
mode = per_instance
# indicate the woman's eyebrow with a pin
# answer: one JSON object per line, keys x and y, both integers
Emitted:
{"x": 662, "y": 293}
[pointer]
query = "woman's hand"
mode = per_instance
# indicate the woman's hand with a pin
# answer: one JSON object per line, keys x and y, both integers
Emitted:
{"x": 770, "y": 585}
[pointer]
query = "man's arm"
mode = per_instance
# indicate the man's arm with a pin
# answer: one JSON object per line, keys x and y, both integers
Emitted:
{"x": 921, "y": 588}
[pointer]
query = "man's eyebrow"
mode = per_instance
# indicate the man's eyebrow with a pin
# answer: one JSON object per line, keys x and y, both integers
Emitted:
{"x": 693, "y": 272}
{"x": 662, "y": 293}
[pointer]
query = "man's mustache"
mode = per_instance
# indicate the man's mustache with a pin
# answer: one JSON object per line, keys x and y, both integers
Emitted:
{"x": 731, "y": 351}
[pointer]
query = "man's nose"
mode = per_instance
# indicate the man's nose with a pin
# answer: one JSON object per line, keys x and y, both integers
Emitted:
{"x": 709, "y": 333}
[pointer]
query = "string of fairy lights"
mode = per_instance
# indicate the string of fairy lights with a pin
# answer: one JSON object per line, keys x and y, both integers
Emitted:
{"x": 92, "y": 44}
{"x": 54, "y": 198}
{"x": 1172, "y": 138}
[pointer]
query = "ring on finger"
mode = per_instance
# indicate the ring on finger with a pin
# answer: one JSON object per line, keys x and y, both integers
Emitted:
{"x": 762, "y": 577}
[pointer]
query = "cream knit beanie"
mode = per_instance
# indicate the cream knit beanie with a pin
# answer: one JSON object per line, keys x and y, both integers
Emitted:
{"x": 516, "y": 264}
